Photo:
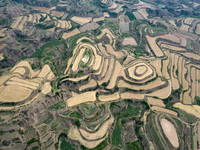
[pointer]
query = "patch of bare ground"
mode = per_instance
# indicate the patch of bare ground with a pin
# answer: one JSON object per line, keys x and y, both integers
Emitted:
{"x": 81, "y": 20}
{"x": 156, "y": 83}
{"x": 103, "y": 32}
{"x": 174, "y": 48}
{"x": 103, "y": 50}
{"x": 129, "y": 41}
{"x": 110, "y": 97}
{"x": 197, "y": 31}
{"x": 81, "y": 98}
{"x": 156, "y": 102}
{"x": 91, "y": 84}
{"x": 157, "y": 65}
{"x": 170, "y": 132}
{"x": 57, "y": 13}
{"x": 144, "y": 13}
{"x": 71, "y": 33}
{"x": 164, "y": 110}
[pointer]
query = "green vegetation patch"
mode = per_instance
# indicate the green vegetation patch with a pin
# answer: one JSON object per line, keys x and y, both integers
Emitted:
{"x": 6, "y": 22}
{"x": 85, "y": 59}
{"x": 116, "y": 135}
{"x": 133, "y": 145}
{"x": 64, "y": 145}
{"x": 73, "y": 114}
{"x": 59, "y": 105}
{"x": 197, "y": 98}
{"x": 130, "y": 15}
{"x": 53, "y": 42}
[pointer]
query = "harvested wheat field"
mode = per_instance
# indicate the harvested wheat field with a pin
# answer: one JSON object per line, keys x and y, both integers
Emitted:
{"x": 156, "y": 83}
{"x": 156, "y": 102}
{"x": 163, "y": 110}
{"x": 103, "y": 50}
{"x": 144, "y": 13}
{"x": 103, "y": 32}
{"x": 100, "y": 133}
{"x": 98, "y": 19}
{"x": 14, "y": 93}
{"x": 128, "y": 95}
{"x": 81, "y": 98}
{"x": 111, "y": 51}
{"x": 81, "y": 20}
{"x": 184, "y": 27}
{"x": 140, "y": 71}
{"x": 46, "y": 88}
{"x": 162, "y": 93}
{"x": 110, "y": 97}
{"x": 154, "y": 47}
{"x": 74, "y": 134}
{"x": 174, "y": 48}
{"x": 71, "y": 33}
{"x": 2, "y": 46}
{"x": 16, "y": 22}
{"x": 42, "y": 9}
{"x": 108, "y": 72}
{"x": 22, "y": 23}
{"x": 78, "y": 59}
{"x": 197, "y": 31}
{"x": 191, "y": 109}
{"x": 170, "y": 132}
{"x": 2, "y": 32}
{"x": 57, "y": 14}
{"x": 191, "y": 55}
{"x": 1, "y": 56}
{"x": 129, "y": 41}
{"x": 189, "y": 21}
{"x": 91, "y": 84}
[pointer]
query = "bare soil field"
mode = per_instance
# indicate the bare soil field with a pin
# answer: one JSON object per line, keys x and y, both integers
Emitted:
{"x": 116, "y": 72}
{"x": 191, "y": 55}
{"x": 157, "y": 65}
{"x": 22, "y": 23}
{"x": 81, "y": 20}
{"x": 151, "y": 85}
{"x": 57, "y": 13}
{"x": 42, "y": 9}
{"x": 14, "y": 93}
{"x": 81, "y": 98}
{"x": 78, "y": 59}
{"x": 91, "y": 84}
{"x": 103, "y": 32}
{"x": 1, "y": 56}
{"x": 89, "y": 26}
{"x": 16, "y": 22}
{"x": 144, "y": 13}
{"x": 46, "y": 88}
{"x": 157, "y": 51}
{"x": 70, "y": 34}
{"x": 103, "y": 50}
{"x": 170, "y": 132}
{"x": 110, "y": 97}
{"x": 140, "y": 71}
{"x": 184, "y": 27}
{"x": 128, "y": 95}
{"x": 2, "y": 32}
{"x": 156, "y": 102}
{"x": 189, "y": 21}
{"x": 2, "y": 46}
{"x": 160, "y": 109}
{"x": 111, "y": 51}
{"x": 129, "y": 41}
{"x": 197, "y": 31}
{"x": 174, "y": 48}
{"x": 98, "y": 19}
{"x": 172, "y": 22}
{"x": 162, "y": 93}
{"x": 166, "y": 64}
{"x": 108, "y": 73}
